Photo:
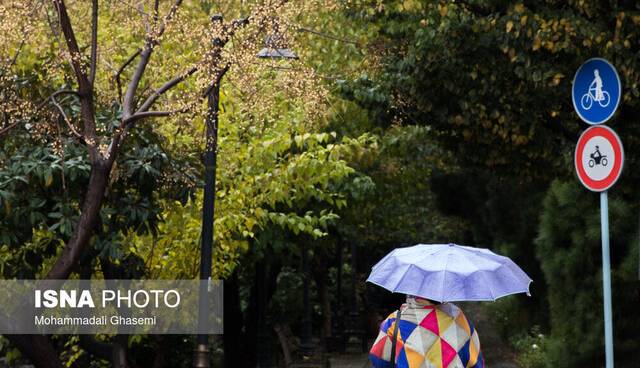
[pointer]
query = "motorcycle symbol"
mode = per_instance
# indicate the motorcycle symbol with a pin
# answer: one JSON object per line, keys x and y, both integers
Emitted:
{"x": 597, "y": 158}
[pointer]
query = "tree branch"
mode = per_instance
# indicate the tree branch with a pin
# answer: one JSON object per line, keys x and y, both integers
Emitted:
{"x": 167, "y": 86}
{"x": 149, "y": 114}
{"x": 331, "y": 37}
{"x": 14, "y": 59}
{"x": 122, "y": 68}
{"x": 168, "y": 17}
{"x": 94, "y": 41}
{"x": 65, "y": 118}
{"x": 145, "y": 55}
{"x": 146, "y": 114}
{"x": 156, "y": 6}
{"x": 85, "y": 87}
{"x": 129, "y": 95}
{"x": 6, "y": 129}
{"x": 72, "y": 45}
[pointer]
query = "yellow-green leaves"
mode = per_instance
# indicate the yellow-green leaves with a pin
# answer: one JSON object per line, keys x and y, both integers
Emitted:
{"x": 509, "y": 26}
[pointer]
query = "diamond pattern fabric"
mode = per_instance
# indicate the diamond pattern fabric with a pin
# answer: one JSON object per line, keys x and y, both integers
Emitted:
{"x": 438, "y": 336}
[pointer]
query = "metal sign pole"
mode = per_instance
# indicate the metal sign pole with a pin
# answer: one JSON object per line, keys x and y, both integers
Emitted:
{"x": 606, "y": 278}
{"x": 607, "y": 93}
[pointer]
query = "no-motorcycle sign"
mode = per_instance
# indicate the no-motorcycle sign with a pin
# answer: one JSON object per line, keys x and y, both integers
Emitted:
{"x": 599, "y": 158}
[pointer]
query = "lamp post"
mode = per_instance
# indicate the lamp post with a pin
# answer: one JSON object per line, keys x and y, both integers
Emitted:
{"x": 273, "y": 50}
{"x": 209, "y": 159}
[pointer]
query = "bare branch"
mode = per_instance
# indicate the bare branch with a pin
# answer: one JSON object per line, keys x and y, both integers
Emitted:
{"x": 167, "y": 86}
{"x": 156, "y": 6}
{"x": 4, "y": 69}
{"x": 217, "y": 81}
{"x": 85, "y": 87}
{"x": 94, "y": 41}
{"x": 145, "y": 114}
{"x": 72, "y": 45}
{"x": 150, "y": 114}
{"x": 122, "y": 68}
{"x": 129, "y": 95}
{"x": 6, "y": 129}
{"x": 331, "y": 37}
{"x": 55, "y": 94}
{"x": 145, "y": 19}
{"x": 145, "y": 55}
{"x": 65, "y": 118}
{"x": 126, "y": 63}
{"x": 168, "y": 17}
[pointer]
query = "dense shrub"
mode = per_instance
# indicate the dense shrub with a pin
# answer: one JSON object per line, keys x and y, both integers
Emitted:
{"x": 569, "y": 250}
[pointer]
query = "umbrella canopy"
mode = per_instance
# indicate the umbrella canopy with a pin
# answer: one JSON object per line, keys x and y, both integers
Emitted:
{"x": 449, "y": 272}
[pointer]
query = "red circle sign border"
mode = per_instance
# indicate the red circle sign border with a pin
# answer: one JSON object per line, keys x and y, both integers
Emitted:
{"x": 608, "y": 134}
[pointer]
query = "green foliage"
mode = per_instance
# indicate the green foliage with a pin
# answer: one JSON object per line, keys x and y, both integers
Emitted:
{"x": 37, "y": 212}
{"x": 492, "y": 79}
{"x": 279, "y": 177}
{"x": 41, "y": 187}
{"x": 569, "y": 251}
{"x": 398, "y": 207}
{"x": 532, "y": 349}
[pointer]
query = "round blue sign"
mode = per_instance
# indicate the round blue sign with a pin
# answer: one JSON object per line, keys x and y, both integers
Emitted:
{"x": 596, "y": 91}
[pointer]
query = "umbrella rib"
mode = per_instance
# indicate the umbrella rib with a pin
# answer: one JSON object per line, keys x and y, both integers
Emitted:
{"x": 402, "y": 278}
{"x": 509, "y": 268}
{"x": 493, "y": 297}
{"x": 444, "y": 276}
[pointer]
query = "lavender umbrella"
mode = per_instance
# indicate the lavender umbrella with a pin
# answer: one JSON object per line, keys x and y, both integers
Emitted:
{"x": 449, "y": 272}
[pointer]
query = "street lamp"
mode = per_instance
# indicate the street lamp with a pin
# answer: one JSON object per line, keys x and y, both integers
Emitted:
{"x": 275, "y": 48}
{"x": 209, "y": 159}
{"x": 272, "y": 50}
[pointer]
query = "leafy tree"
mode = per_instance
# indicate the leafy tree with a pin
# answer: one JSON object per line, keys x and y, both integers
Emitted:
{"x": 568, "y": 248}
{"x": 493, "y": 78}
{"x": 152, "y": 60}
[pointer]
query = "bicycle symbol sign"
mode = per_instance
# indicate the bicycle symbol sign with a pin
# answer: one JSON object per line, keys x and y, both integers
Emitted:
{"x": 596, "y": 91}
{"x": 599, "y": 158}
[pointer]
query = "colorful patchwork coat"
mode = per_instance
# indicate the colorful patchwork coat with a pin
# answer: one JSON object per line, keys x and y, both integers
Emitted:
{"x": 438, "y": 336}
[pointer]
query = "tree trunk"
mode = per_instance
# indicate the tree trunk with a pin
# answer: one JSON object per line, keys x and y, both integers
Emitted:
{"x": 320, "y": 275}
{"x": 38, "y": 348}
{"x": 91, "y": 205}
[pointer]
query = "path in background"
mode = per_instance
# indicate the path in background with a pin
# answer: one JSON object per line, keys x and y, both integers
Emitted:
{"x": 497, "y": 352}
{"x": 349, "y": 360}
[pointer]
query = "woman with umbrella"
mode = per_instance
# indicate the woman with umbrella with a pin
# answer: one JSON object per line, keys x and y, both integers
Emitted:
{"x": 428, "y": 330}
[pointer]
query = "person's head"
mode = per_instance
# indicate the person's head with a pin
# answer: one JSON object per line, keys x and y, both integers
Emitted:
{"x": 597, "y": 147}
{"x": 596, "y": 73}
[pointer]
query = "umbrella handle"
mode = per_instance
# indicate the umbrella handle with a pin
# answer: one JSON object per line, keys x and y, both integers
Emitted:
{"x": 395, "y": 338}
